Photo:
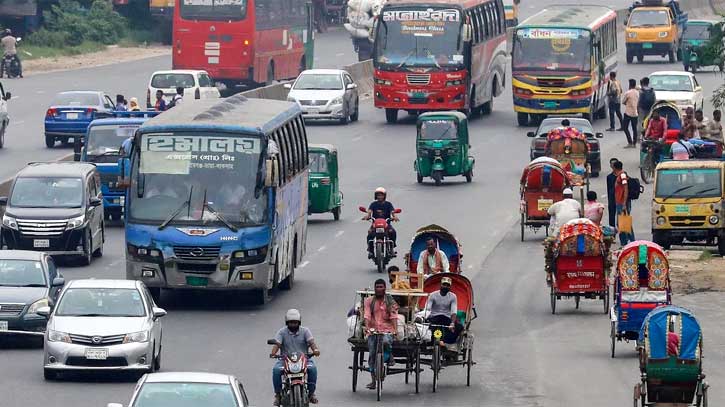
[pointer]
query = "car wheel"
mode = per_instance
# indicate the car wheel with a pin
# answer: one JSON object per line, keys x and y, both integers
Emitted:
{"x": 356, "y": 115}
{"x": 50, "y": 374}
{"x": 157, "y": 361}
{"x": 49, "y": 141}
{"x": 2, "y": 135}
{"x": 99, "y": 252}
{"x": 87, "y": 255}
{"x": 345, "y": 115}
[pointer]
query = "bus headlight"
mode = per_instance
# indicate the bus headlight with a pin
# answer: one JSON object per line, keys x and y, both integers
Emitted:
{"x": 457, "y": 82}
{"x": 713, "y": 219}
{"x": 661, "y": 220}
{"x": 383, "y": 82}
{"x": 662, "y": 34}
{"x": 632, "y": 35}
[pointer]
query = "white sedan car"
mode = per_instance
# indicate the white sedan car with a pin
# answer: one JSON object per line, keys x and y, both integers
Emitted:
{"x": 326, "y": 94}
{"x": 679, "y": 87}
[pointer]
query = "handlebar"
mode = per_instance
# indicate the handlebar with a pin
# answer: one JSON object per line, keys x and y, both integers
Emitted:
{"x": 309, "y": 356}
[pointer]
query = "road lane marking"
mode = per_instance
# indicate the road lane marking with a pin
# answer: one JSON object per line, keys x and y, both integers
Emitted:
{"x": 339, "y": 54}
{"x": 339, "y": 233}
{"x": 303, "y": 264}
{"x": 322, "y": 248}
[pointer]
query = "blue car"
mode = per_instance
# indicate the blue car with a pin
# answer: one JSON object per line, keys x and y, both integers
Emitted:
{"x": 71, "y": 112}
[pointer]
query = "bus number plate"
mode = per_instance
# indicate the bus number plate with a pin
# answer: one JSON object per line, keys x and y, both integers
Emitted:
{"x": 197, "y": 281}
{"x": 682, "y": 209}
{"x": 550, "y": 105}
{"x": 647, "y": 45}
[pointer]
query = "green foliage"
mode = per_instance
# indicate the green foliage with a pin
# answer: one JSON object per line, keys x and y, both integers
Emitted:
{"x": 75, "y": 24}
{"x": 46, "y": 38}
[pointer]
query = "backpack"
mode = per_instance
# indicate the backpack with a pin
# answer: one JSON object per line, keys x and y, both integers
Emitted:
{"x": 173, "y": 102}
{"x": 647, "y": 99}
{"x": 634, "y": 188}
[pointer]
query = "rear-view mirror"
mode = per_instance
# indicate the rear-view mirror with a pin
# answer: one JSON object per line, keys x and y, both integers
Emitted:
{"x": 270, "y": 175}
{"x": 531, "y": 134}
{"x": 95, "y": 201}
{"x": 159, "y": 312}
{"x": 362, "y": 209}
{"x": 271, "y": 342}
{"x": 114, "y": 405}
{"x": 467, "y": 33}
{"x": 287, "y": 86}
{"x": 43, "y": 311}
{"x": 351, "y": 86}
{"x": 599, "y": 135}
{"x": 3, "y": 200}
{"x": 58, "y": 282}
{"x": 398, "y": 210}
{"x": 8, "y": 96}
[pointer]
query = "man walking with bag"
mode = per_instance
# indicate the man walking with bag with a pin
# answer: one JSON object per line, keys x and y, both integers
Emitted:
{"x": 614, "y": 95}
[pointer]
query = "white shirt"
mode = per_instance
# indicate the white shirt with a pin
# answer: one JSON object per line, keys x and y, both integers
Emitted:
{"x": 432, "y": 262}
{"x": 564, "y": 211}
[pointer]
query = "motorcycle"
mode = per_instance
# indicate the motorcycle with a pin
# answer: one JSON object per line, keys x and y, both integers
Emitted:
{"x": 10, "y": 65}
{"x": 383, "y": 246}
{"x": 294, "y": 378}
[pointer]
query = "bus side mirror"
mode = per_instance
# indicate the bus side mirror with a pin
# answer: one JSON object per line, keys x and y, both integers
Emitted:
{"x": 270, "y": 175}
{"x": 8, "y": 96}
{"x": 467, "y": 33}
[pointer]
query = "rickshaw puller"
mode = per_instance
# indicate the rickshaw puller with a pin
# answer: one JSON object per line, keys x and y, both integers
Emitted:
{"x": 381, "y": 315}
{"x": 443, "y": 308}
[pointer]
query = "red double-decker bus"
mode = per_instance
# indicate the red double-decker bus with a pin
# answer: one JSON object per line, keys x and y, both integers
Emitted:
{"x": 439, "y": 55}
{"x": 247, "y": 42}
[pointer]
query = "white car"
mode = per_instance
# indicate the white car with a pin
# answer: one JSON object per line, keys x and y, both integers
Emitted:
{"x": 327, "y": 94}
{"x": 678, "y": 87}
{"x": 196, "y": 84}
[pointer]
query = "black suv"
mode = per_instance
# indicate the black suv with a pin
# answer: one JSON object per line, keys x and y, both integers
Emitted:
{"x": 56, "y": 208}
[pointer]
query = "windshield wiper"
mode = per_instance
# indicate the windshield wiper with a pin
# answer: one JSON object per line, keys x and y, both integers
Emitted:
{"x": 702, "y": 191}
{"x": 32, "y": 285}
{"x": 405, "y": 60}
{"x": 85, "y": 315}
{"x": 216, "y": 214}
{"x": 677, "y": 192}
{"x": 432, "y": 57}
{"x": 176, "y": 213}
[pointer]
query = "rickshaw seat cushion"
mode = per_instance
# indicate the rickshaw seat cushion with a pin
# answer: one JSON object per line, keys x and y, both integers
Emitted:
{"x": 672, "y": 135}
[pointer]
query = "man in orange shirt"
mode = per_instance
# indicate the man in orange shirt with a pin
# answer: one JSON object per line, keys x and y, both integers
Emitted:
{"x": 622, "y": 201}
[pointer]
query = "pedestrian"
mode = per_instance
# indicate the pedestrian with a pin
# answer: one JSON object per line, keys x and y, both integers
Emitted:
{"x": 614, "y": 97}
{"x": 647, "y": 99}
{"x": 689, "y": 128}
{"x": 611, "y": 204}
{"x": 121, "y": 103}
{"x": 133, "y": 105}
{"x": 178, "y": 97}
{"x": 630, "y": 102}
{"x": 593, "y": 210}
{"x": 714, "y": 128}
{"x": 701, "y": 124}
{"x": 624, "y": 204}
{"x": 160, "y": 105}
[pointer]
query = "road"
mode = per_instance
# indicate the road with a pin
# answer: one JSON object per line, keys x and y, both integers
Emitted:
{"x": 526, "y": 356}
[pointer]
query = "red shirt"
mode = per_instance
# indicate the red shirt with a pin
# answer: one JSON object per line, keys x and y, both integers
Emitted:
{"x": 380, "y": 319}
{"x": 673, "y": 344}
{"x": 620, "y": 189}
{"x": 656, "y": 128}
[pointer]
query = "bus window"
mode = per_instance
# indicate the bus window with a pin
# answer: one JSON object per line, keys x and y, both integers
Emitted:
{"x": 298, "y": 144}
{"x": 293, "y": 147}
{"x": 289, "y": 171}
{"x": 303, "y": 140}
{"x": 280, "y": 157}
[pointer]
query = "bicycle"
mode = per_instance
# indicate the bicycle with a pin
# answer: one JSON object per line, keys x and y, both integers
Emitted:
{"x": 380, "y": 366}
{"x": 649, "y": 157}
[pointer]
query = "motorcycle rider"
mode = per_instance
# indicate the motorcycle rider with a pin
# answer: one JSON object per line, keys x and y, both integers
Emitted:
{"x": 9, "y": 48}
{"x": 290, "y": 339}
{"x": 380, "y": 209}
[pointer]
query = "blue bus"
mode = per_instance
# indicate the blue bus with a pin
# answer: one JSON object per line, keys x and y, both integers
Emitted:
{"x": 217, "y": 197}
{"x": 102, "y": 146}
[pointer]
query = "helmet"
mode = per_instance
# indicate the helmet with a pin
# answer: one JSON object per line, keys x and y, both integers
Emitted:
{"x": 381, "y": 190}
{"x": 293, "y": 315}
{"x": 8, "y": 31}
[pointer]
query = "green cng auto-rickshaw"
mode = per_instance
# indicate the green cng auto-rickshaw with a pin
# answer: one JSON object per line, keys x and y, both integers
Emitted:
{"x": 324, "y": 185}
{"x": 442, "y": 146}
{"x": 702, "y": 45}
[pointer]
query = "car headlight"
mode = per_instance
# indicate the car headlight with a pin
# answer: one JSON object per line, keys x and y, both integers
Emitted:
{"x": 137, "y": 337}
{"x": 632, "y": 35}
{"x": 713, "y": 219}
{"x": 10, "y": 222}
{"x": 336, "y": 101}
{"x": 57, "y": 336}
{"x": 661, "y": 220}
{"x": 663, "y": 34}
{"x": 291, "y": 99}
{"x": 34, "y": 307}
{"x": 75, "y": 223}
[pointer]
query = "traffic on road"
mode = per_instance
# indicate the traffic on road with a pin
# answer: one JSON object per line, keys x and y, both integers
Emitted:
{"x": 197, "y": 231}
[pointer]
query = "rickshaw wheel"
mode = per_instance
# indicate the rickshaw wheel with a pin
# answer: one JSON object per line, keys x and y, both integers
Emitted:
{"x": 469, "y": 175}
{"x": 417, "y": 370}
{"x": 613, "y": 335}
{"x": 577, "y": 299}
{"x": 469, "y": 365}
{"x": 419, "y": 177}
{"x": 436, "y": 364}
{"x": 553, "y": 300}
{"x": 355, "y": 368}
{"x": 605, "y": 300}
{"x": 523, "y": 226}
{"x": 336, "y": 213}
{"x": 704, "y": 395}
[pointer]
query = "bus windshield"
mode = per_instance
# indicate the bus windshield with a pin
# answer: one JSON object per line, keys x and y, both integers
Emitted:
{"x": 106, "y": 140}
{"x": 419, "y": 37}
{"x": 179, "y": 172}
{"x": 552, "y": 49}
{"x": 218, "y": 10}
{"x": 649, "y": 18}
{"x": 688, "y": 183}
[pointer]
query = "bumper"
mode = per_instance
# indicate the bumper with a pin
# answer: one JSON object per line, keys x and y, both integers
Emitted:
{"x": 113, "y": 201}
{"x": 169, "y": 275}
{"x": 452, "y": 98}
{"x": 323, "y": 112}
{"x": 24, "y": 324}
{"x": 551, "y": 106}
{"x": 66, "y": 129}
{"x": 690, "y": 234}
{"x": 650, "y": 48}
{"x": 65, "y": 244}
{"x": 70, "y": 356}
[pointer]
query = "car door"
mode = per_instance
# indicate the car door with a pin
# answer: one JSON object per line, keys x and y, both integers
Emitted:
{"x": 208, "y": 90}
{"x": 698, "y": 99}
{"x": 108, "y": 104}
{"x": 353, "y": 92}
{"x": 96, "y": 212}
{"x": 52, "y": 274}
{"x": 155, "y": 322}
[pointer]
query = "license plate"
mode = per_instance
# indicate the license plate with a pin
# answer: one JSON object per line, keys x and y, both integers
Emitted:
{"x": 96, "y": 353}
{"x": 3, "y": 325}
{"x": 41, "y": 243}
{"x": 647, "y": 45}
{"x": 379, "y": 230}
{"x": 419, "y": 94}
{"x": 682, "y": 209}
{"x": 71, "y": 116}
{"x": 550, "y": 105}
{"x": 544, "y": 204}
{"x": 313, "y": 111}
{"x": 197, "y": 281}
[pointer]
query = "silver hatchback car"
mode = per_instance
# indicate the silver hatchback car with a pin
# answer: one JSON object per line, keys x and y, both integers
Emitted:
{"x": 103, "y": 325}
{"x": 176, "y": 389}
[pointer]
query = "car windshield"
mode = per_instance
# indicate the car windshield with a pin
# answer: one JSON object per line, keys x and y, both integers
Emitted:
{"x": 31, "y": 192}
{"x": 196, "y": 171}
{"x": 219, "y": 10}
{"x": 649, "y": 18}
{"x": 688, "y": 183}
{"x": 76, "y": 99}
{"x": 552, "y": 49}
{"x": 697, "y": 32}
{"x": 318, "y": 162}
{"x": 671, "y": 83}
{"x": 21, "y": 273}
{"x": 185, "y": 395}
{"x": 107, "y": 140}
{"x": 317, "y": 81}
{"x": 413, "y": 37}
{"x": 547, "y": 125}
{"x": 101, "y": 302}
{"x": 172, "y": 80}
{"x": 438, "y": 130}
